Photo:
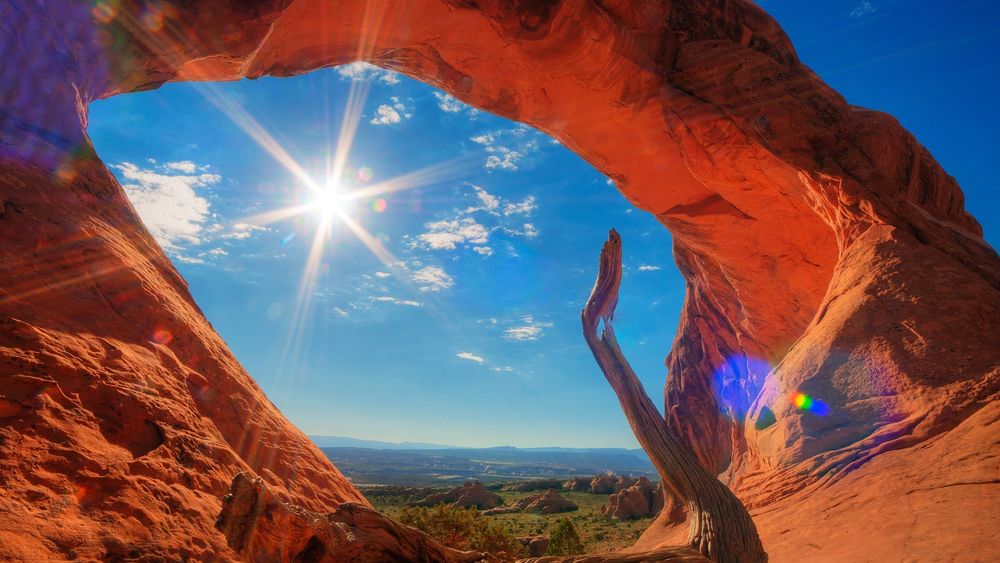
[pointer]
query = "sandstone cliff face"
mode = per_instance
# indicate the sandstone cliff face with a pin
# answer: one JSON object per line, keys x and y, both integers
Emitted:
{"x": 825, "y": 250}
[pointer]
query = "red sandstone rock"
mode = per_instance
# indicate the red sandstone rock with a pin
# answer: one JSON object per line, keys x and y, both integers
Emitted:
{"x": 470, "y": 494}
{"x": 117, "y": 443}
{"x": 642, "y": 499}
{"x": 603, "y": 484}
{"x": 577, "y": 484}
{"x": 535, "y": 546}
{"x": 549, "y": 502}
{"x": 259, "y": 527}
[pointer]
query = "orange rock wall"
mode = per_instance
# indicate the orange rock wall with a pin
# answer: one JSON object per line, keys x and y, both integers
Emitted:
{"x": 817, "y": 238}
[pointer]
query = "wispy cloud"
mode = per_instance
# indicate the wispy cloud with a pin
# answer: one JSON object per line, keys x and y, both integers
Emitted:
{"x": 523, "y": 208}
{"x": 648, "y": 268}
{"x": 471, "y": 357}
{"x": 487, "y": 201}
{"x": 445, "y": 235}
{"x": 862, "y": 9}
{"x": 387, "y": 114}
{"x": 449, "y": 104}
{"x": 243, "y": 231}
{"x": 166, "y": 199}
{"x": 432, "y": 278}
{"x": 527, "y": 328}
{"x": 362, "y": 71}
{"x": 395, "y": 301}
{"x": 506, "y": 147}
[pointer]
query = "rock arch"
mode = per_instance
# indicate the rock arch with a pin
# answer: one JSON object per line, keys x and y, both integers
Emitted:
{"x": 817, "y": 238}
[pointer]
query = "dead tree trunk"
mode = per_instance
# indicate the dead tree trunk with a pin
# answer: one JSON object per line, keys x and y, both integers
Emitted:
{"x": 720, "y": 526}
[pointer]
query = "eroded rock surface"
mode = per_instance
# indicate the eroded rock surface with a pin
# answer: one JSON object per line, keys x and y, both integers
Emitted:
{"x": 641, "y": 499}
{"x": 259, "y": 527}
{"x": 124, "y": 415}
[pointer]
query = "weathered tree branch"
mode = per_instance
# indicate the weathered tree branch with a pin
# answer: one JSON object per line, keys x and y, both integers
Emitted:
{"x": 720, "y": 526}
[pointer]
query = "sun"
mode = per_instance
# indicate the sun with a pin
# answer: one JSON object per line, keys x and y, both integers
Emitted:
{"x": 330, "y": 200}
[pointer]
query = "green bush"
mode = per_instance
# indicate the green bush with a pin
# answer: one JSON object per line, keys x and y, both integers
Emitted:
{"x": 463, "y": 529}
{"x": 564, "y": 540}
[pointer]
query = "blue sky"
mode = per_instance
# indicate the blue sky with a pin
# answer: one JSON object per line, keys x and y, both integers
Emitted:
{"x": 469, "y": 334}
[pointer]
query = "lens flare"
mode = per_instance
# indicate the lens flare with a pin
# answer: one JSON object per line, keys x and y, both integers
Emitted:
{"x": 365, "y": 174}
{"x": 379, "y": 205}
{"x": 808, "y": 403}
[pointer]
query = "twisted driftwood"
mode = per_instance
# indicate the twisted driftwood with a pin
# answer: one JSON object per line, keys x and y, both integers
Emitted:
{"x": 720, "y": 526}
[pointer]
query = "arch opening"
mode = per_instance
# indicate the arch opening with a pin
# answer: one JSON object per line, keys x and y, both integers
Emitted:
{"x": 703, "y": 116}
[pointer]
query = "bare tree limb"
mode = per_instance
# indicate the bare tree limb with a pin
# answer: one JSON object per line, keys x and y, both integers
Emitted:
{"x": 720, "y": 526}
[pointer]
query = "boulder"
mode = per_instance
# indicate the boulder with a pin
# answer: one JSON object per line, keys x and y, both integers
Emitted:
{"x": 642, "y": 499}
{"x": 535, "y": 546}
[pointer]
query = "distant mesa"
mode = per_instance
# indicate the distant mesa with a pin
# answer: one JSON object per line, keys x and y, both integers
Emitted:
{"x": 471, "y": 494}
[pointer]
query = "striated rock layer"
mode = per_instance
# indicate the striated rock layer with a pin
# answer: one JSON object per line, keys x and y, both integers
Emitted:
{"x": 825, "y": 250}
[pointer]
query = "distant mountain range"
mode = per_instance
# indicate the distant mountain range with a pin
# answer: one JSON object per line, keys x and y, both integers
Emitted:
{"x": 426, "y": 464}
{"x": 346, "y": 442}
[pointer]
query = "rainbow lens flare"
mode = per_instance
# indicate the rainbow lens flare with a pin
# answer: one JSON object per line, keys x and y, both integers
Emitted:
{"x": 365, "y": 174}
{"x": 808, "y": 403}
{"x": 379, "y": 205}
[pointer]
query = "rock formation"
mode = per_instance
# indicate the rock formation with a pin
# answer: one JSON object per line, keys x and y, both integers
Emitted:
{"x": 549, "y": 502}
{"x": 471, "y": 494}
{"x": 642, "y": 499}
{"x": 577, "y": 484}
{"x": 124, "y": 415}
{"x": 259, "y": 527}
{"x": 602, "y": 484}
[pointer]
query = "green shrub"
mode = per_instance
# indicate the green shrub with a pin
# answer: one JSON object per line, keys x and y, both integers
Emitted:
{"x": 564, "y": 539}
{"x": 463, "y": 529}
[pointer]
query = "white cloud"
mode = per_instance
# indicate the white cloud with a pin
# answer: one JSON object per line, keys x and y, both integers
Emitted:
{"x": 339, "y": 312}
{"x": 243, "y": 231}
{"x": 506, "y": 160}
{"x": 382, "y": 274}
{"x": 362, "y": 71}
{"x": 648, "y": 268}
{"x": 484, "y": 250}
{"x": 523, "y": 208}
{"x": 432, "y": 278}
{"x": 503, "y": 369}
{"x": 445, "y": 235}
{"x": 394, "y": 113}
{"x": 487, "y": 202}
{"x": 528, "y": 329}
{"x": 167, "y": 202}
{"x": 471, "y": 357}
{"x": 394, "y": 301}
{"x": 862, "y": 9}
{"x": 448, "y": 103}
{"x": 528, "y": 230}
{"x": 506, "y": 147}
{"x": 386, "y": 115}
{"x": 185, "y": 166}
{"x": 217, "y": 252}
